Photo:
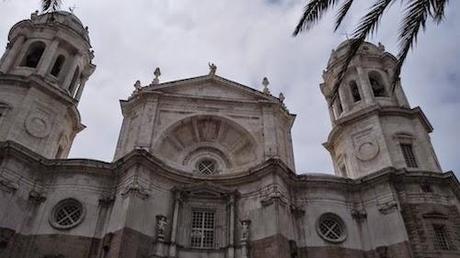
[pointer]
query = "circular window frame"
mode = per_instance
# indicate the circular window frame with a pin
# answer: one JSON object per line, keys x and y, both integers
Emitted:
{"x": 216, "y": 166}
{"x": 60, "y": 205}
{"x": 338, "y": 220}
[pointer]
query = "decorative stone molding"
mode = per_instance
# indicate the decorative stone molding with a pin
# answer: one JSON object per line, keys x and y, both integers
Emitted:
{"x": 37, "y": 125}
{"x": 274, "y": 195}
{"x": 162, "y": 223}
{"x": 106, "y": 199}
{"x": 36, "y": 197}
{"x": 388, "y": 207}
{"x": 297, "y": 210}
{"x": 359, "y": 214}
{"x": 135, "y": 189}
{"x": 8, "y": 186}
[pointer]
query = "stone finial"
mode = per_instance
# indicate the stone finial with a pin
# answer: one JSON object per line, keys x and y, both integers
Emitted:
{"x": 381, "y": 47}
{"x": 281, "y": 97}
{"x": 157, "y": 74}
{"x": 34, "y": 15}
{"x": 137, "y": 85}
{"x": 162, "y": 223}
{"x": 212, "y": 68}
{"x": 265, "y": 83}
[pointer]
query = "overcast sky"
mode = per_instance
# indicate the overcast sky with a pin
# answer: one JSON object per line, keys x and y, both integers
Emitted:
{"x": 247, "y": 40}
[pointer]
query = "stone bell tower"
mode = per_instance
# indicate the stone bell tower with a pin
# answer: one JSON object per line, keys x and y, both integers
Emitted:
{"x": 373, "y": 126}
{"x": 42, "y": 76}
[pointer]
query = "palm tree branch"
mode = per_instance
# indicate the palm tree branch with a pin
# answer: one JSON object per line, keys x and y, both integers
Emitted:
{"x": 415, "y": 17}
{"x": 343, "y": 10}
{"x": 439, "y": 7}
{"x": 313, "y": 12}
{"x": 367, "y": 25}
{"x": 51, "y": 5}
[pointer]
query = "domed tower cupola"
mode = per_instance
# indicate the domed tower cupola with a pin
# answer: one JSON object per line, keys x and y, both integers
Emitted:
{"x": 43, "y": 72}
{"x": 373, "y": 124}
{"x": 52, "y": 46}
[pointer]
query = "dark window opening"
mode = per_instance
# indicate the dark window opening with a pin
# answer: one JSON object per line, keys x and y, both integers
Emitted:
{"x": 355, "y": 91}
{"x": 426, "y": 188}
{"x": 59, "y": 152}
{"x": 408, "y": 153}
{"x": 441, "y": 239}
{"x": 57, "y": 67}
{"x": 377, "y": 86}
{"x": 33, "y": 55}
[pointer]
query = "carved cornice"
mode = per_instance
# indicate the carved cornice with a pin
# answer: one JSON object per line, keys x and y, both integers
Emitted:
{"x": 8, "y": 186}
{"x": 37, "y": 197}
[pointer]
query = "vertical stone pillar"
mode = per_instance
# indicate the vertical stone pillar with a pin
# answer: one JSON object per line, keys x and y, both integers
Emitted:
{"x": 70, "y": 72}
{"x": 12, "y": 54}
{"x": 172, "y": 247}
{"x": 80, "y": 89}
{"x": 344, "y": 98}
{"x": 47, "y": 58}
{"x": 365, "y": 86}
{"x": 270, "y": 139}
{"x": 231, "y": 235}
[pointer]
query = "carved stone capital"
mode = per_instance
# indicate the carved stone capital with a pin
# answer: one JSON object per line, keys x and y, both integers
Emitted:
{"x": 8, "y": 185}
{"x": 388, "y": 207}
{"x": 135, "y": 189}
{"x": 36, "y": 197}
{"x": 359, "y": 214}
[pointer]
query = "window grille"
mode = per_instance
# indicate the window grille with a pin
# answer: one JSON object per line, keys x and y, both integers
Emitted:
{"x": 409, "y": 156}
{"x": 207, "y": 167}
{"x": 202, "y": 235}
{"x": 67, "y": 214}
{"x": 441, "y": 239}
{"x": 331, "y": 228}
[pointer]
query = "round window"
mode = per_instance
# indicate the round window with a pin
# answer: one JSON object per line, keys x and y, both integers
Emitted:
{"x": 67, "y": 214}
{"x": 331, "y": 228}
{"x": 207, "y": 167}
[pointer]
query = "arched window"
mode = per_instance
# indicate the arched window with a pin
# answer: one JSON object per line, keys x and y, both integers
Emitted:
{"x": 354, "y": 91}
{"x": 33, "y": 55}
{"x": 57, "y": 67}
{"x": 75, "y": 81}
{"x": 377, "y": 85}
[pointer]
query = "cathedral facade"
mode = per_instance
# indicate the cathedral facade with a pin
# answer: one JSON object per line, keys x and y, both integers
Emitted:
{"x": 204, "y": 166}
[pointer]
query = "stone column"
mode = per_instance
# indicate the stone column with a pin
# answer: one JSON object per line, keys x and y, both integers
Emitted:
{"x": 231, "y": 235}
{"x": 12, "y": 54}
{"x": 47, "y": 58}
{"x": 172, "y": 247}
{"x": 70, "y": 72}
{"x": 80, "y": 89}
{"x": 365, "y": 86}
{"x": 270, "y": 138}
{"x": 343, "y": 99}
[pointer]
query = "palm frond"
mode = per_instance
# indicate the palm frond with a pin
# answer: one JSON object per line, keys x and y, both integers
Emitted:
{"x": 439, "y": 7}
{"x": 343, "y": 10}
{"x": 415, "y": 17}
{"x": 367, "y": 26}
{"x": 313, "y": 12}
{"x": 51, "y": 5}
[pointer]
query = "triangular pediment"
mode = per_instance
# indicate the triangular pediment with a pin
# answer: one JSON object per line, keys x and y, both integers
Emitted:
{"x": 214, "y": 87}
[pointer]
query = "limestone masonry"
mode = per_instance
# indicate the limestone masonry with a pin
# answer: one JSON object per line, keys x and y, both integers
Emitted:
{"x": 204, "y": 167}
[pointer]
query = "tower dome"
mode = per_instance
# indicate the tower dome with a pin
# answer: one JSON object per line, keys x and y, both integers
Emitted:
{"x": 373, "y": 124}
{"x": 42, "y": 76}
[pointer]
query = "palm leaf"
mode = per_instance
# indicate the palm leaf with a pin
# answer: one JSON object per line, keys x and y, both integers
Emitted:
{"x": 367, "y": 25}
{"x": 438, "y": 7}
{"x": 313, "y": 12}
{"x": 51, "y": 5}
{"x": 415, "y": 17}
{"x": 343, "y": 10}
